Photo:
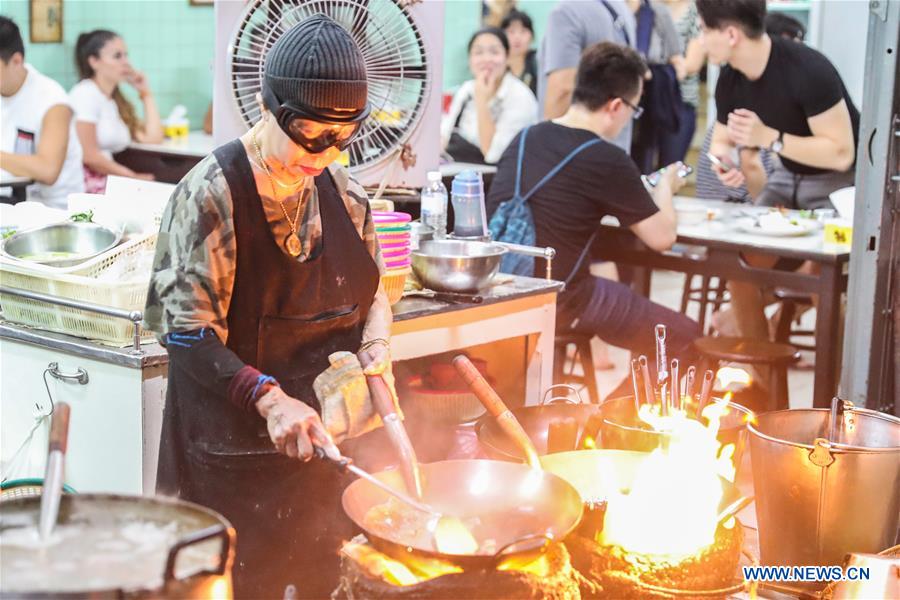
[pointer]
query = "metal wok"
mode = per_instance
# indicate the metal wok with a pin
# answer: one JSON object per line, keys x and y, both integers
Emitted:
{"x": 521, "y": 508}
{"x": 594, "y": 473}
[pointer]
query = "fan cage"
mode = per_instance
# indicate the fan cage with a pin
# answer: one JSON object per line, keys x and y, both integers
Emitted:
{"x": 391, "y": 44}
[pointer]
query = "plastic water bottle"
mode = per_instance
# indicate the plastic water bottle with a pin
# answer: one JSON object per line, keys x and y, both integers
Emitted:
{"x": 470, "y": 218}
{"x": 434, "y": 205}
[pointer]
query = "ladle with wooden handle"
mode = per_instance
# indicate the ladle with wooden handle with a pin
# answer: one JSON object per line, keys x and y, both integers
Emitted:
{"x": 383, "y": 400}
{"x": 55, "y": 472}
{"x": 495, "y": 406}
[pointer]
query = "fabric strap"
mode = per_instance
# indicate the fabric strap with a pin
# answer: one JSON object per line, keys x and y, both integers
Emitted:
{"x": 618, "y": 22}
{"x": 553, "y": 172}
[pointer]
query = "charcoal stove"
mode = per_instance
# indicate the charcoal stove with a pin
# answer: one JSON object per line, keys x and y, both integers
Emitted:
{"x": 366, "y": 573}
{"x": 612, "y": 572}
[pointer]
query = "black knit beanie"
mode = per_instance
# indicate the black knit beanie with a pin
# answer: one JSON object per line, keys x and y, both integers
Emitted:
{"x": 317, "y": 64}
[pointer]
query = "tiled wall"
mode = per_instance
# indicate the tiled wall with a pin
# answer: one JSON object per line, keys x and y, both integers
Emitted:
{"x": 171, "y": 41}
{"x": 463, "y": 18}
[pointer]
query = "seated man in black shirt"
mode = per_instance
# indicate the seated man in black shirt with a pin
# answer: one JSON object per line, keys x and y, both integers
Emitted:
{"x": 600, "y": 180}
{"x": 778, "y": 94}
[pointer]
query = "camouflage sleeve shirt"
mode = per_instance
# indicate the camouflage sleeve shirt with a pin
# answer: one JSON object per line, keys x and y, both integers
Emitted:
{"x": 194, "y": 267}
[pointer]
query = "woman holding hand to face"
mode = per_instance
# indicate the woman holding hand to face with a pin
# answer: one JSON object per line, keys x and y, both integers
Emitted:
{"x": 490, "y": 109}
{"x": 106, "y": 122}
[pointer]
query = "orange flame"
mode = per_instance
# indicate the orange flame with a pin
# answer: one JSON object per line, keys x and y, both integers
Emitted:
{"x": 671, "y": 507}
{"x": 417, "y": 569}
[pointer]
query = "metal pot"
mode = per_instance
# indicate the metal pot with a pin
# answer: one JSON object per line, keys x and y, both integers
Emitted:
{"x": 61, "y": 244}
{"x": 104, "y": 549}
{"x": 619, "y": 427}
{"x": 817, "y": 500}
{"x": 455, "y": 265}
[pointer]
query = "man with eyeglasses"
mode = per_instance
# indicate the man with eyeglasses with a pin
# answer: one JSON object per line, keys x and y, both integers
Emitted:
{"x": 266, "y": 285}
{"x": 599, "y": 179}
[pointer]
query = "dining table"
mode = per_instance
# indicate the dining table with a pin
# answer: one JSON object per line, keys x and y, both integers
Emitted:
{"x": 717, "y": 243}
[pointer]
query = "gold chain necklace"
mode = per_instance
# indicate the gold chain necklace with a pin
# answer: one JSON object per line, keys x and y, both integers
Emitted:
{"x": 292, "y": 241}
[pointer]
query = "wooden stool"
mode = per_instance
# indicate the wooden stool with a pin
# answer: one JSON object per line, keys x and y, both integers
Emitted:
{"x": 710, "y": 293}
{"x": 774, "y": 355}
{"x": 791, "y": 302}
{"x": 583, "y": 353}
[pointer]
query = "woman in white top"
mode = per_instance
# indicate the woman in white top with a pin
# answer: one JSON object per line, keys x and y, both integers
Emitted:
{"x": 105, "y": 120}
{"x": 489, "y": 110}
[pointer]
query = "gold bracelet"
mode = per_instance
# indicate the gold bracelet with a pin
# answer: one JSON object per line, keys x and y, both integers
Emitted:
{"x": 372, "y": 342}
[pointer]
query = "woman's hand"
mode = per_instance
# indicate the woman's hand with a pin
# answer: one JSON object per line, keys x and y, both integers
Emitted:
{"x": 484, "y": 86}
{"x": 139, "y": 82}
{"x": 294, "y": 427}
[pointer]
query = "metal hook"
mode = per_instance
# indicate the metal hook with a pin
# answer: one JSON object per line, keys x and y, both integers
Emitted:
{"x": 80, "y": 377}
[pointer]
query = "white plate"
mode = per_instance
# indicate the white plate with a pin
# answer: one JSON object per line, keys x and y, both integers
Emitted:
{"x": 802, "y": 227}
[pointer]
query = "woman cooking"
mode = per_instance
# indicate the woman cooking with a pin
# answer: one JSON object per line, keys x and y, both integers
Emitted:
{"x": 265, "y": 286}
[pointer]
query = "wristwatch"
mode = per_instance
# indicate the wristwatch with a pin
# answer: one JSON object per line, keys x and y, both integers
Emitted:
{"x": 778, "y": 145}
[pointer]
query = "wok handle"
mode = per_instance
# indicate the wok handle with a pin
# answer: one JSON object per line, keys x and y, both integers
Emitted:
{"x": 506, "y": 420}
{"x": 59, "y": 428}
{"x": 479, "y": 386}
{"x": 545, "y": 539}
{"x": 220, "y": 531}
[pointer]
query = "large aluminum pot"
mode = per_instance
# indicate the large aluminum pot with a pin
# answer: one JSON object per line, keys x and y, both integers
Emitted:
{"x": 456, "y": 265}
{"x": 111, "y": 546}
{"x": 61, "y": 244}
{"x": 816, "y": 500}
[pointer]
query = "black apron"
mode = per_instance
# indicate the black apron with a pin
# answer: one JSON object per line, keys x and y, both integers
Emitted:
{"x": 285, "y": 318}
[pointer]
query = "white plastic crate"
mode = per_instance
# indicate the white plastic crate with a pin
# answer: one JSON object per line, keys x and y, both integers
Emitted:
{"x": 117, "y": 279}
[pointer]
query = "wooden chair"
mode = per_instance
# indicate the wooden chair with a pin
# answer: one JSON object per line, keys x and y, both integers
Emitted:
{"x": 791, "y": 303}
{"x": 583, "y": 354}
{"x": 773, "y": 355}
{"x": 710, "y": 294}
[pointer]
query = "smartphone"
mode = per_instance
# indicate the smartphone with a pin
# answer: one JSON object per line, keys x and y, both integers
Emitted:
{"x": 715, "y": 160}
{"x": 652, "y": 180}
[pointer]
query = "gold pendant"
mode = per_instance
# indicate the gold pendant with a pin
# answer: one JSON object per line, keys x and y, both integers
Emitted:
{"x": 292, "y": 243}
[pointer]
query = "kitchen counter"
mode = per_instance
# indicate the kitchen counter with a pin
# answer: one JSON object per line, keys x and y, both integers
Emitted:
{"x": 152, "y": 354}
{"x": 117, "y": 396}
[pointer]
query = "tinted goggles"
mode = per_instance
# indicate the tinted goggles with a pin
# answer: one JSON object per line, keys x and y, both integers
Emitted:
{"x": 312, "y": 130}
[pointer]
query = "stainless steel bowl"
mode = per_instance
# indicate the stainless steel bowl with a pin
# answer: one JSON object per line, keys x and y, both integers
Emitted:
{"x": 61, "y": 244}
{"x": 456, "y": 266}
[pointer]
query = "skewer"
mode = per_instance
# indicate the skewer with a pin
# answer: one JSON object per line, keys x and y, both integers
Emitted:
{"x": 635, "y": 383}
{"x": 689, "y": 384}
{"x": 645, "y": 375}
{"x": 662, "y": 367}
{"x": 837, "y": 408}
{"x": 705, "y": 392}
{"x": 674, "y": 387}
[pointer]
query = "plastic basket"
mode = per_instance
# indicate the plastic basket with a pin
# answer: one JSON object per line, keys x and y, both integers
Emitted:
{"x": 26, "y": 488}
{"x": 115, "y": 279}
{"x": 394, "y": 281}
